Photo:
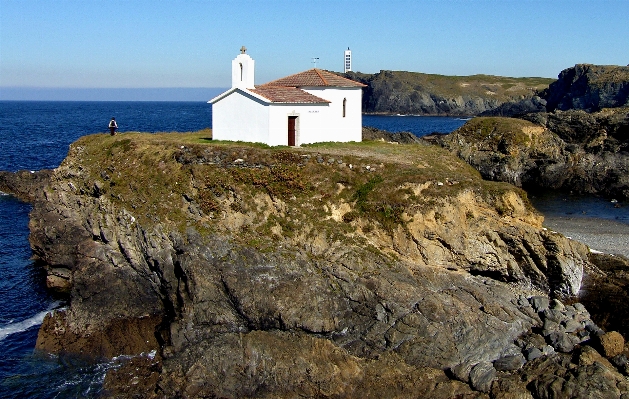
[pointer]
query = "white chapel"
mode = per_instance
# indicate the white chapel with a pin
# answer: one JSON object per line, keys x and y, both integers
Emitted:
{"x": 308, "y": 107}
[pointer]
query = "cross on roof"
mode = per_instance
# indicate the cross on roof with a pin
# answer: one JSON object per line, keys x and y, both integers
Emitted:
{"x": 243, "y": 50}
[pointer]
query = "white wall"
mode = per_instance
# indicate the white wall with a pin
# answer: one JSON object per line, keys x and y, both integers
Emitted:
{"x": 240, "y": 117}
{"x": 309, "y": 117}
{"x": 243, "y": 72}
{"x": 332, "y": 126}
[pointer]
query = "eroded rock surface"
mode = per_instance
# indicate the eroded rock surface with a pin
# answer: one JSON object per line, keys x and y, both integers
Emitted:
{"x": 572, "y": 150}
{"x": 274, "y": 273}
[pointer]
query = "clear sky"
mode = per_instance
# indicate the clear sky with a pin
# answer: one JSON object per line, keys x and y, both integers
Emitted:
{"x": 77, "y": 45}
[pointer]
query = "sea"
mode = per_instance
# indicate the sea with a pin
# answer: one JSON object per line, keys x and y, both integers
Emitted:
{"x": 35, "y": 135}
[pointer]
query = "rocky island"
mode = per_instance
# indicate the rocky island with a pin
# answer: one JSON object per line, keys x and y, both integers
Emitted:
{"x": 335, "y": 270}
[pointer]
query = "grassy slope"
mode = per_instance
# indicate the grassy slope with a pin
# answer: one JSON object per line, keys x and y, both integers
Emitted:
{"x": 484, "y": 86}
{"x": 138, "y": 172}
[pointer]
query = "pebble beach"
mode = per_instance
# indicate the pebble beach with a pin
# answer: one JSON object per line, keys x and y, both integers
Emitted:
{"x": 607, "y": 236}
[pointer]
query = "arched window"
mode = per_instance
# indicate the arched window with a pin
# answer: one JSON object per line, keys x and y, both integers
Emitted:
{"x": 240, "y": 71}
{"x": 344, "y": 106}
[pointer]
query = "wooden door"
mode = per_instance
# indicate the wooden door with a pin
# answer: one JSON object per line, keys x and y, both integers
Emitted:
{"x": 291, "y": 130}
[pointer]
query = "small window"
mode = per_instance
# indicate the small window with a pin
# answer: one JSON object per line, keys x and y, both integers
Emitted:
{"x": 240, "y": 71}
{"x": 344, "y": 106}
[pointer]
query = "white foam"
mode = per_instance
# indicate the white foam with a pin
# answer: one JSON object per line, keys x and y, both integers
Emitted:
{"x": 21, "y": 326}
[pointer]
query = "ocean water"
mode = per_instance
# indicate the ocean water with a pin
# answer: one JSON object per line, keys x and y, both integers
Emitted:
{"x": 36, "y": 135}
{"x": 418, "y": 125}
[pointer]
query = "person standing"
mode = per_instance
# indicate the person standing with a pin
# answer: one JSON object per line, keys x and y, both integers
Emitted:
{"x": 113, "y": 126}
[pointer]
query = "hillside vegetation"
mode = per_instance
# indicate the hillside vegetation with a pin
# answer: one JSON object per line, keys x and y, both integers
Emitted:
{"x": 377, "y": 177}
{"x": 430, "y": 94}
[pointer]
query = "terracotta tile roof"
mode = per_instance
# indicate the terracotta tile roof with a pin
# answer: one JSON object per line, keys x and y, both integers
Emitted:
{"x": 314, "y": 78}
{"x": 282, "y": 94}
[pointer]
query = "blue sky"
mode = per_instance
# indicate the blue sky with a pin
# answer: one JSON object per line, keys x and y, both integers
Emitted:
{"x": 86, "y": 44}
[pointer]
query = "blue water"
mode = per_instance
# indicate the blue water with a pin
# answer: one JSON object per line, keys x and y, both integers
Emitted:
{"x": 558, "y": 203}
{"x": 33, "y": 136}
{"x": 418, "y": 125}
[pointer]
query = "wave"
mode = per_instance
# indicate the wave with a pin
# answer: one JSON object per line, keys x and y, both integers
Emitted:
{"x": 21, "y": 326}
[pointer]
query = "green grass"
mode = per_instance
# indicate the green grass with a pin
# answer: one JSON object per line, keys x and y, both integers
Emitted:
{"x": 502, "y": 88}
{"x": 159, "y": 178}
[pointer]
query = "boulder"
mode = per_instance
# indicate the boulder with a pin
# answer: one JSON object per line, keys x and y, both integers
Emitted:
{"x": 510, "y": 363}
{"x": 612, "y": 344}
{"x": 540, "y": 303}
{"x": 482, "y": 376}
{"x": 561, "y": 341}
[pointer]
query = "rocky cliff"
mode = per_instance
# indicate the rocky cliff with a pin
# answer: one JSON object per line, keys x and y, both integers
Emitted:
{"x": 572, "y": 150}
{"x": 399, "y": 92}
{"x": 586, "y": 87}
{"x": 574, "y": 138}
{"x": 354, "y": 270}
{"x": 590, "y": 88}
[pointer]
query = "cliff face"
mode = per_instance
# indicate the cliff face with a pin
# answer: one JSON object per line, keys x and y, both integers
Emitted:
{"x": 332, "y": 270}
{"x": 586, "y": 87}
{"x": 424, "y": 94}
{"x": 571, "y": 150}
{"x": 590, "y": 88}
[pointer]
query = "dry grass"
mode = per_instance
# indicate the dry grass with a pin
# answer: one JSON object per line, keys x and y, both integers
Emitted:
{"x": 185, "y": 179}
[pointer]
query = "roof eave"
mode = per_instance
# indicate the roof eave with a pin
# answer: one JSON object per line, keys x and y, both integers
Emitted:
{"x": 234, "y": 89}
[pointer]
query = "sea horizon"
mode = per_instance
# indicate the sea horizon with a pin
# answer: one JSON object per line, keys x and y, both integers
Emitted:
{"x": 153, "y": 94}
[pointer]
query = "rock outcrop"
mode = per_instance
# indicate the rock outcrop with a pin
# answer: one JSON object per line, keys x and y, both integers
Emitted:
{"x": 571, "y": 150}
{"x": 374, "y": 134}
{"x": 332, "y": 271}
{"x": 586, "y": 87}
{"x": 590, "y": 88}
{"x": 400, "y": 92}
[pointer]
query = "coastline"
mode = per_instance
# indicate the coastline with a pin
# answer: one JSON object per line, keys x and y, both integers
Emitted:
{"x": 604, "y": 235}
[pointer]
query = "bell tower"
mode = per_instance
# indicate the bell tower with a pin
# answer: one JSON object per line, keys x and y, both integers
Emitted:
{"x": 242, "y": 70}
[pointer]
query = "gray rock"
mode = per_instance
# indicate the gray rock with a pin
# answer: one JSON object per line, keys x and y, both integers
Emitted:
{"x": 511, "y": 350}
{"x": 462, "y": 371}
{"x": 593, "y": 329}
{"x": 548, "y": 350}
{"x": 561, "y": 341}
{"x": 531, "y": 340}
{"x": 540, "y": 303}
{"x": 621, "y": 362}
{"x": 510, "y": 363}
{"x": 550, "y": 327}
{"x": 557, "y": 304}
{"x": 570, "y": 311}
{"x": 482, "y": 375}
{"x": 572, "y": 326}
{"x": 589, "y": 87}
{"x": 580, "y": 308}
{"x": 532, "y": 353}
{"x": 555, "y": 315}
{"x": 598, "y": 140}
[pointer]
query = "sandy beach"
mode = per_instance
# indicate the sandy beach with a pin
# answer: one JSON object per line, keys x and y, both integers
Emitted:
{"x": 607, "y": 236}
